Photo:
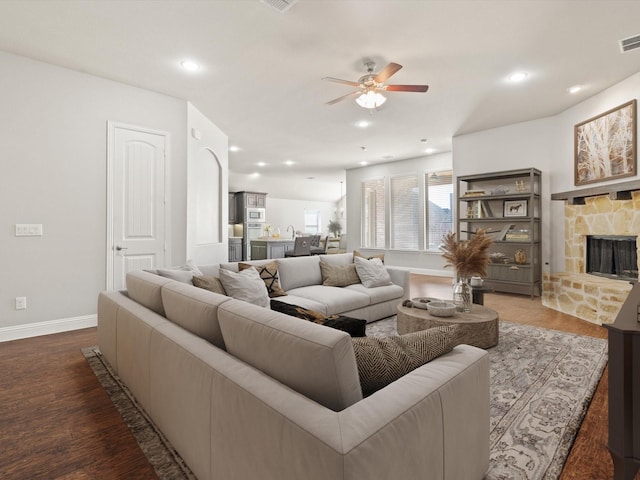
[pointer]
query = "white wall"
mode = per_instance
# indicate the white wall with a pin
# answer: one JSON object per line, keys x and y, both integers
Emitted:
{"x": 53, "y": 154}
{"x": 208, "y": 199}
{"x": 428, "y": 262}
{"x": 282, "y": 212}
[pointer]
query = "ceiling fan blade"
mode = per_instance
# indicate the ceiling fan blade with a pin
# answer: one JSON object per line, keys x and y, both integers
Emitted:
{"x": 345, "y": 82}
{"x": 406, "y": 88}
{"x": 344, "y": 97}
{"x": 386, "y": 72}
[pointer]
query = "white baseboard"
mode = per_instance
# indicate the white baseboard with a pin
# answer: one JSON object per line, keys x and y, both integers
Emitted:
{"x": 47, "y": 328}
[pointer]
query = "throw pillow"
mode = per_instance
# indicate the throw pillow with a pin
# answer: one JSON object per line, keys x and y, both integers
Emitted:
{"x": 269, "y": 273}
{"x": 384, "y": 360}
{"x": 209, "y": 282}
{"x": 353, "y": 326}
{"x": 338, "y": 275}
{"x": 182, "y": 274}
{"x": 372, "y": 272}
{"x": 246, "y": 285}
{"x": 356, "y": 253}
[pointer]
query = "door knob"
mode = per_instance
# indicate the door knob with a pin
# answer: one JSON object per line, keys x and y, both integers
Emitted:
{"x": 118, "y": 248}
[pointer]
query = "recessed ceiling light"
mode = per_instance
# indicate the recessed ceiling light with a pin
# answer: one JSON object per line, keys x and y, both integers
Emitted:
{"x": 574, "y": 89}
{"x": 190, "y": 65}
{"x": 430, "y": 150}
{"x": 423, "y": 140}
{"x": 388, "y": 157}
{"x": 362, "y": 124}
{"x": 364, "y": 163}
{"x": 289, "y": 162}
{"x": 262, "y": 164}
{"x": 234, "y": 148}
{"x": 311, "y": 178}
{"x": 517, "y": 77}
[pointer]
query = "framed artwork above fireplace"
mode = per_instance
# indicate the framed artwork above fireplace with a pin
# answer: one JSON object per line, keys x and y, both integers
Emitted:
{"x": 605, "y": 145}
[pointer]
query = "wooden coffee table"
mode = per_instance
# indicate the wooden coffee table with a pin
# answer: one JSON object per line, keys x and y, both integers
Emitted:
{"x": 479, "y": 327}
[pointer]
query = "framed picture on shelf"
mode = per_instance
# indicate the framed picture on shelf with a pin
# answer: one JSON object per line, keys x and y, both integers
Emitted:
{"x": 515, "y": 208}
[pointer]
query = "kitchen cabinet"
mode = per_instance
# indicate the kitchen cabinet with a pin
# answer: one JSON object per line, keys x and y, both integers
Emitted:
{"x": 235, "y": 249}
{"x": 232, "y": 208}
{"x": 506, "y": 205}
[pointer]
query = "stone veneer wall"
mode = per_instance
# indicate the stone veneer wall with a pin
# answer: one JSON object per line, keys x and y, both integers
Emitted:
{"x": 592, "y": 298}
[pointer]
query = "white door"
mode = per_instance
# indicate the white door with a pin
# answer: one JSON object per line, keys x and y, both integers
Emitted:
{"x": 136, "y": 201}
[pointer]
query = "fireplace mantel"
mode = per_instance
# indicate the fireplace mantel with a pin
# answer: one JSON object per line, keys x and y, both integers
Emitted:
{"x": 616, "y": 191}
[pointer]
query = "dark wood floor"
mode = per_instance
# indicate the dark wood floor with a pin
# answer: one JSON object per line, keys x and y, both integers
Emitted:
{"x": 56, "y": 421}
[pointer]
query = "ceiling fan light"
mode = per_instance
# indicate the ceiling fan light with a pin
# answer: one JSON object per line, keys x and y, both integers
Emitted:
{"x": 371, "y": 99}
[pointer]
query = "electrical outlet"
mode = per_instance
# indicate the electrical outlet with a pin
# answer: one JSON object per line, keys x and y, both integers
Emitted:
{"x": 21, "y": 303}
{"x": 28, "y": 229}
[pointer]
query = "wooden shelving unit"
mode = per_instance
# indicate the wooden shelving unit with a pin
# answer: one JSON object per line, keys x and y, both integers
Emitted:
{"x": 507, "y": 206}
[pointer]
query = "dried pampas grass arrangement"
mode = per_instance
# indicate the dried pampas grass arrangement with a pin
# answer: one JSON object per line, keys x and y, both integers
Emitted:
{"x": 468, "y": 257}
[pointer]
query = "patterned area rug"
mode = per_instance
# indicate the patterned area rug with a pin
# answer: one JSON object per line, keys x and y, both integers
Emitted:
{"x": 542, "y": 382}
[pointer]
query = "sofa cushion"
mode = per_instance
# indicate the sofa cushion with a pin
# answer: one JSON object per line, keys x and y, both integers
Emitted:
{"x": 334, "y": 299}
{"x": 304, "y": 302}
{"x": 337, "y": 258}
{"x": 379, "y": 294}
{"x": 246, "y": 285}
{"x": 355, "y": 327}
{"x": 145, "y": 288}
{"x": 299, "y": 272}
{"x": 269, "y": 274}
{"x": 384, "y": 360}
{"x": 194, "y": 309}
{"x": 372, "y": 272}
{"x": 182, "y": 274}
{"x": 338, "y": 275}
{"x": 209, "y": 282}
{"x": 315, "y": 361}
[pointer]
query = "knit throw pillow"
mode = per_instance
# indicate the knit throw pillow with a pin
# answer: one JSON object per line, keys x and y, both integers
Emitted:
{"x": 384, "y": 360}
{"x": 338, "y": 275}
{"x": 269, "y": 274}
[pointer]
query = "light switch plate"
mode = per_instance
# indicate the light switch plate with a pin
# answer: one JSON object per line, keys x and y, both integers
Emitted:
{"x": 28, "y": 229}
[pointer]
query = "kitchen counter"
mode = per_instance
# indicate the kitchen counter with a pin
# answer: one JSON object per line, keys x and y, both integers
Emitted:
{"x": 270, "y": 247}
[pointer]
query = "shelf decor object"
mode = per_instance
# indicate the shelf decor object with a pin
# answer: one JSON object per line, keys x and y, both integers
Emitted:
{"x": 509, "y": 212}
{"x": 605, "y": 145}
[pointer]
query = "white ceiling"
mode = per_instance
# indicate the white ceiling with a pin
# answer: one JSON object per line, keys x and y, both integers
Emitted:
{"x": 261, "y": 73}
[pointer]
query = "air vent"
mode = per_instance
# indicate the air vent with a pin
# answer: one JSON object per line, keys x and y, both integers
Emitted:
{"x": 631, "y": 43}
{"x": 280, "y": 5}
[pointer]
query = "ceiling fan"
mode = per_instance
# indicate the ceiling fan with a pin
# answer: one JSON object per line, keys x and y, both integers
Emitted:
{"x": 370, "y": 85}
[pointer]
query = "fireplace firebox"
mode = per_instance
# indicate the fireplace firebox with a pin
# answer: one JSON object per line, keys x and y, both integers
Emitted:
{"x": 612, "y": 256}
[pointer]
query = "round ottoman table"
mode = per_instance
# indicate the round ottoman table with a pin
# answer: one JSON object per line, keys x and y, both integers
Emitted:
{"x": 479, "y": 327}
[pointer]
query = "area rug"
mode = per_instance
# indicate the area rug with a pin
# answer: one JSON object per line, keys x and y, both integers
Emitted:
{"x": 542, "y": 382}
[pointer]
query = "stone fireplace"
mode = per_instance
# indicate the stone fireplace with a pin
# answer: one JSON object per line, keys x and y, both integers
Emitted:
{"x": 595, "y": 298}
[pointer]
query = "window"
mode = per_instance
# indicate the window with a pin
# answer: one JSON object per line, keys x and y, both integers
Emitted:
{"x": 439, "y": 197}
{"x": 407, "y": 212}
{"x": 312, "y": 221}
{"x": 405, "y": 216}
{"x": 373, "y": 216}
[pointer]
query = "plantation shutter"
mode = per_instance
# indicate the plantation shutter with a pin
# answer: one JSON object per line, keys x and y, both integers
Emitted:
{"x": 373, "y": 216}
{"x": 405, "y": 213}
{"x": 439, "y": 188}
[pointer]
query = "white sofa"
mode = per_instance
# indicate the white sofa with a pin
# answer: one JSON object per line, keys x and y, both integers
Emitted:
{"x": 301, "y": 278}
{"x": 243, "y": 392}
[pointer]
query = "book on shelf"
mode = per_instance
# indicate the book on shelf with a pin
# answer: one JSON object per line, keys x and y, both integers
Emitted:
{"x": 517, "y": 236}
{"x": 502, "y": 233}
{"x": 473, "y": 193}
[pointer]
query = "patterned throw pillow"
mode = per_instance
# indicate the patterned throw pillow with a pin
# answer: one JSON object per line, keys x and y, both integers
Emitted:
{"x": 269, "y": 273}
{"x": 356, "y": 253}
{"x": 338, "y": 275}
{"x": 384, "y": 360}
{"x": 209, "y": 282}
{"x": 355, "y": 327}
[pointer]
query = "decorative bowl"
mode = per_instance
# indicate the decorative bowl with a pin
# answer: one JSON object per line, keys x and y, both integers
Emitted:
{"x": 441, "y": 309}
{"x": 422, "y": 302}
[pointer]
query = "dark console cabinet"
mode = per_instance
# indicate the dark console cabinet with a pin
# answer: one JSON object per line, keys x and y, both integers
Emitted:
{"x": 624, "y": 388}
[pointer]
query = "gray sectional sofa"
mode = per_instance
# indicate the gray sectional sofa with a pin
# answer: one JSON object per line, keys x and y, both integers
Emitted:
{"x": 244, "y": 392}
